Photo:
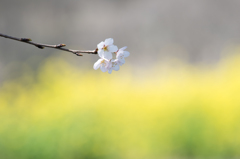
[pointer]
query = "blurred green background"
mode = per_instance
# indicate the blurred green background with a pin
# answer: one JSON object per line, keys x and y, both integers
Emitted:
{"x": 177, "y": 96}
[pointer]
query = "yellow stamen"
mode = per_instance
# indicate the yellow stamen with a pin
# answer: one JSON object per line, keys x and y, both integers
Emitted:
{"x": 105, "y": 48}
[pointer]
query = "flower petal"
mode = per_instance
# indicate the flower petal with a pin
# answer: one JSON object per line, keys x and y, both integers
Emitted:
{"x": 101, "y": 53}
{"x": 108, "y": 41}
{"x": 122, "y": 61}
{"x": 119, "y": 62}
{"x": 97, "y": 64}
{"x": 108, "y": 64}
{"x": 103, "y": 68}
{"x": 123, "y": 48}
{"x": 126, "y": 53}
{"x": 107, "y": 55}
{"x": 116, "y": 67}
{"x": 118, "y": 55}
{"x": 100, "y": 45}
{"x": 110, "y": 71}
{"x": 112, "y": 48}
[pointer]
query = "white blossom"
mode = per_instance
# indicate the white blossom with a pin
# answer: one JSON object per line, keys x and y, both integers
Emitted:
{"x": 121, "y": 54}
{"x": 106, "y": 48}
{"x": 115, "y": 66}
{"x": 106, "y": 61}
{"x": 104, "y": 64}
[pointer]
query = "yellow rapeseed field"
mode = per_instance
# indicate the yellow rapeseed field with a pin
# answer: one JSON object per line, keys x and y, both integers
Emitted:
{"x": 166, "y": 111}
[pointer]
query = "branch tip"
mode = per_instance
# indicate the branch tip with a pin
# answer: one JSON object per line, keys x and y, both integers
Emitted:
{"x": 96, "y": 50}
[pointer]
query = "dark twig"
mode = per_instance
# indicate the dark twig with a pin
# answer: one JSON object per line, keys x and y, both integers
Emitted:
{"x": 41, "y": 46}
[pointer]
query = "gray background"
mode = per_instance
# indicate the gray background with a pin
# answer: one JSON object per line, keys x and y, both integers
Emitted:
{"x": 195, "y": 31}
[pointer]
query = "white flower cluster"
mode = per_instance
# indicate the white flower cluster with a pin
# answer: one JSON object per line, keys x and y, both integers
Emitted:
{"x": 106, "y": 62}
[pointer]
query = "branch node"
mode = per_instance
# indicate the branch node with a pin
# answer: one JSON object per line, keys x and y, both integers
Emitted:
{"x": 39, "y": 46}
{"x": 78, "y": 54}
{"x": 26, "y": 39}
{"x": 60, "y": 45}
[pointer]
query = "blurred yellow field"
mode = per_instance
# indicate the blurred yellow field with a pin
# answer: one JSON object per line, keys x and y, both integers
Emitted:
{"x": 164, "y": 112}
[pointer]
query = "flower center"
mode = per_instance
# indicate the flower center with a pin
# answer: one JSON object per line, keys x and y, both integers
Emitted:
{"x": 102, "y": 62}
{"x": 105, "y": 48}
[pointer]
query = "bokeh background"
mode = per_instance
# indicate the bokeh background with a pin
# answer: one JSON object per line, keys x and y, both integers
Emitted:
{"x": 177, "y": 96}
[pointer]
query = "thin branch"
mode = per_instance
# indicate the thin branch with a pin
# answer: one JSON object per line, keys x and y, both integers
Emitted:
{"x": 41, "y": 46}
